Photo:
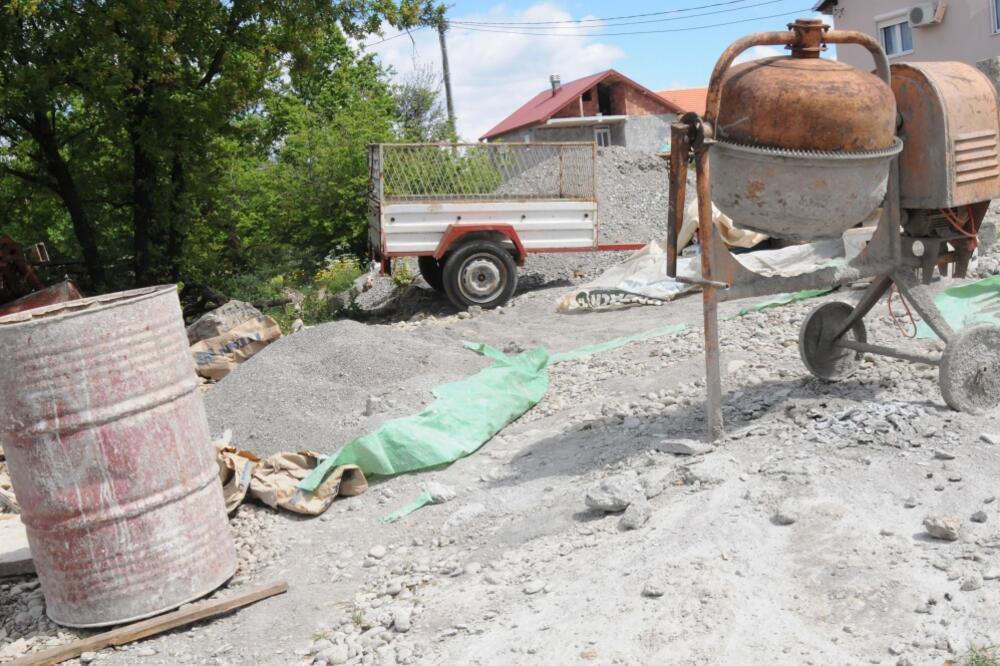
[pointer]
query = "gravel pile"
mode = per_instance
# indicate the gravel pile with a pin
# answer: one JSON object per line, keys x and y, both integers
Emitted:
{"x": 632, "y": 194}
{"x": 324, "y": 385}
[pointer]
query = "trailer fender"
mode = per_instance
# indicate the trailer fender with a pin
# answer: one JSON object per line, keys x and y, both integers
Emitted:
{"x": 454, "y": 232}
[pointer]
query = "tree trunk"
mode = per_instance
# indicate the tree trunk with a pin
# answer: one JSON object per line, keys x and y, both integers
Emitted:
{"x": 65, "y": 186}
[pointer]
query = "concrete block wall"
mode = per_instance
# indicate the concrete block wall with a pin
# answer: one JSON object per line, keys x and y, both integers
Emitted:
{"x": 991, "y": 67}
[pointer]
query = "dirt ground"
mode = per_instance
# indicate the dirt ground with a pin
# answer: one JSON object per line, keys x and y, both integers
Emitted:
{"x": 799, "y": 539}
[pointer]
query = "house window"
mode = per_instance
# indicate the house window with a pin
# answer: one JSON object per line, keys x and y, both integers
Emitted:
{"x": 996, "y": 15}
{"x": 586, "y": 95}
{"x": 896, "y": 35}
{"x": 602, "y": 135}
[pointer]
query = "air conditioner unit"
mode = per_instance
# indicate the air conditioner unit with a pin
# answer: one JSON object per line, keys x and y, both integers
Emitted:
{"x": 924, "y": 14}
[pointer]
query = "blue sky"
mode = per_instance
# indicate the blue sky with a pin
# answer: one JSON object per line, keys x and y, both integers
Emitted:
{"x": 494, "y": 70}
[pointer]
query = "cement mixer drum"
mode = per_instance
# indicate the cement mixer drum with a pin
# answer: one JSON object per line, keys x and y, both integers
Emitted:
{"x": 804, "y": 146}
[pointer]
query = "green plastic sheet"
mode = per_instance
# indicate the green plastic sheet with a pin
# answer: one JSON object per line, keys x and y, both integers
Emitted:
{"x": 783, "y": 299}
{"x": 967, "y": 305}
{"x": 464, "y": 415}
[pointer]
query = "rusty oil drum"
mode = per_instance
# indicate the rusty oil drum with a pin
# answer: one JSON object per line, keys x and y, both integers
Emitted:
{"x": 110, "y": 457}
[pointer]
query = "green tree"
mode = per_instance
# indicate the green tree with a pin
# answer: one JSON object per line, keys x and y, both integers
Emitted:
{"x": 420, "y": 113}
{"x": 120, "y": 110}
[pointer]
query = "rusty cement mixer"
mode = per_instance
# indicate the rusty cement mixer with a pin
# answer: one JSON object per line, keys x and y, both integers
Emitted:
{"x": 804, "y": 148}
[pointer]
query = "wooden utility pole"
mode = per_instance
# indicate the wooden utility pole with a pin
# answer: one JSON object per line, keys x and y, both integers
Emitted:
{"x": 442, "y": 27}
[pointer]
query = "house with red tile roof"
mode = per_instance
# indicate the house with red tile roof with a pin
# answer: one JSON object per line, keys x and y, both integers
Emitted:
{"x": 688, "y": 99}
{"x": 608, "y": 108}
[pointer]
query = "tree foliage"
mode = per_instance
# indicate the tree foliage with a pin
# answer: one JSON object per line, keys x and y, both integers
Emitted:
{"x": 190, "y": 139}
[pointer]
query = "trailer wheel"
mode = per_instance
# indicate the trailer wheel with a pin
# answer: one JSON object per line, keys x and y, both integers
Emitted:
{"x": 432, "y": 270}
{"x": 479, "y": 273}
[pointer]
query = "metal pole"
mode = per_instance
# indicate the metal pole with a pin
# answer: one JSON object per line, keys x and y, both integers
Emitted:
{"x": 442, "y": 27}
{"x": 864, "y": 347}
{"x": 710, "y": 297}
{"x": 680, "y": 148}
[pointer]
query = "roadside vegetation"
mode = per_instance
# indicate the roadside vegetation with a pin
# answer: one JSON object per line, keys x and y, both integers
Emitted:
{"x": 205, "y": 142}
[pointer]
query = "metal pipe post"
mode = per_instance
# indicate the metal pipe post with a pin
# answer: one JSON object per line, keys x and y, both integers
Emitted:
{"x": 680, "y": 149}
{"x": 707, "y": 239}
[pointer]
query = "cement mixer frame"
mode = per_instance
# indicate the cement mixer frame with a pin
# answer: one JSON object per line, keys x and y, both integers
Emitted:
{"x": 833, "y": 339}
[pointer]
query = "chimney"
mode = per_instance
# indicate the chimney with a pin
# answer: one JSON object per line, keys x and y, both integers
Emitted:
{"x": 556, "y": 83}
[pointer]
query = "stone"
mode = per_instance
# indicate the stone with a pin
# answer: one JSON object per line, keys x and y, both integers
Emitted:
{"x": 990, "y": 438}
{"x": 439, "y": 492}
{"x": 88, "y": 657}
{"x": 910, "y": 502}
{"x": 374, "y": 405}
{"x": 637, "y": 514}
{"x": 683, "y": 447}
{"x": 972, "y": 581}
{"x": 534, "y": 586}
{"x": 978, "y": 517}
{"x": 614, "y": 494}
{"x": 940, "y": 454}
{"x": 146, "y": 652}
{"x": 942, "y": 526}
{"x": 297, "y": 325}
{"x": 475, "y": 310}
{"x": 653, "y": 483}
{"x": 653, "y": 590}
{"x": 401, "y": 619}
{"x": 338, "y": 654}
{"x": 377, "y": 552}
{"x": 632, "y": 422}
{"x": 787, "y": 513}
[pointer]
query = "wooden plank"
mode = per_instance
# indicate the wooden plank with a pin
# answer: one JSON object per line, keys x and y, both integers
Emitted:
{"x": 15, "y": 555}
{"x": 145, "y": 628}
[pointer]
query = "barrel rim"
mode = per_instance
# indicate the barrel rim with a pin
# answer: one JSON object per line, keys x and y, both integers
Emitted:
{"x": 83, "y": 306}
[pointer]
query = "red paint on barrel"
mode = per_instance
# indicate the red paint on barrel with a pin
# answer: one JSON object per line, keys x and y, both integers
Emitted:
{"x": 110, "y": 457}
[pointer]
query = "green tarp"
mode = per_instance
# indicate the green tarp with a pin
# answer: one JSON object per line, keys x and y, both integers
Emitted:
{"x": 967, "y": 305}
{"x": 783, "y": 299}
{"x": 465, "y": 414}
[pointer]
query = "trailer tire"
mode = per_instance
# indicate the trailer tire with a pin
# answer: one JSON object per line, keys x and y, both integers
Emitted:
{"x": 432, "y": 271}
{"x": 479, "y": 273}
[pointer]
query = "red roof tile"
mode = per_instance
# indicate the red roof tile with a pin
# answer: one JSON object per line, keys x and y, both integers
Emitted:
{"x": 688, "y": 99}
{"x": 544, "y": 105}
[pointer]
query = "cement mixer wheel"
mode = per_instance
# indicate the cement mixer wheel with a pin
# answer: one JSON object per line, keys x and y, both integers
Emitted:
{"x": 970, "y": 369}
{"x": 816, "y": 344}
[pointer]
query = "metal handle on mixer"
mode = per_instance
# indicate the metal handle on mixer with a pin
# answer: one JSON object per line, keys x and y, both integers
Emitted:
{"x": 867, "y": 41}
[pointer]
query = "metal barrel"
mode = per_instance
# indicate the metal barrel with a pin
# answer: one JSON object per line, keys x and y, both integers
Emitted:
{"x": 110, "y": 457}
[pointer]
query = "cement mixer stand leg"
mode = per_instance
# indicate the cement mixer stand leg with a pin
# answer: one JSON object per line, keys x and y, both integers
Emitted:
{"x": 707, "y": 238}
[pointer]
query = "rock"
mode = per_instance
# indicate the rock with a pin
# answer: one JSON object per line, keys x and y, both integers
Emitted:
{"x": 683, "y": 447}
{"x": 972, "y": 581}
{"x": 990, "y": 438}
{"x": 910, "y": 502}
{"x": 475, "y": 310}
{"x": 632, "y": 422}
{"x": 942, "y": 526}
{"x": 439, "y": 492}
{"x": 338, "y": 654}
{"x": 653, "y": 590}
{"x": 653, "y": 483}
{"x": 614, "y": 494}
{"x": 637, "y": 514}
{"x": 534, "y": 586}
{"x": 978, "y": 517}
{"x": 88, "y": 657}
{"x": 146, "y": 652}
{"x": 788, "y": 512}
{"x": 220, "y": 320}
{"x": 377, "y": 552}
{"x": 401, "y": 619}
{"x": 297, "y": 325}
{"x": 374, "y": 405}
{"x": 943, "y": 455}
{"x": 493, "y": 578}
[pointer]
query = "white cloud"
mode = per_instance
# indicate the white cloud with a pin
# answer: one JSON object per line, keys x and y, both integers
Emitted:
{"x": 759, "y": 52}
{"x": 494, "y": 73}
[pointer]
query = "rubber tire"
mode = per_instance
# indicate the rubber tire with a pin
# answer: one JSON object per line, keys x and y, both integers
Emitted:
{"x": 815, "y": 347}
{"x": 432, "y": 271}
{"x": 456, "y": 260}
{"x": 969, "y": 375}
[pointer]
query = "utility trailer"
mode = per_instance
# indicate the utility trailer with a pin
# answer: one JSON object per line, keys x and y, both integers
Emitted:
{"x": 471, "y": 213}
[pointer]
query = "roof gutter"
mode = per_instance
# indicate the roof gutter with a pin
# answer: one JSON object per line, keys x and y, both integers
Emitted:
{"x": 585, "y": 120}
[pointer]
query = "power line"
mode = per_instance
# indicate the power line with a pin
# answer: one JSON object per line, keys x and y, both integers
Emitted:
{"x": 615, "y": 25}
{"x": 388, "y": 39}
{"x": 610, "y": 18}
{"x": 634, "y": 32}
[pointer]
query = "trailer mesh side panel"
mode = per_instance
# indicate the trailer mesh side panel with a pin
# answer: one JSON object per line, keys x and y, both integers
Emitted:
{"x": 483, "y": 171}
